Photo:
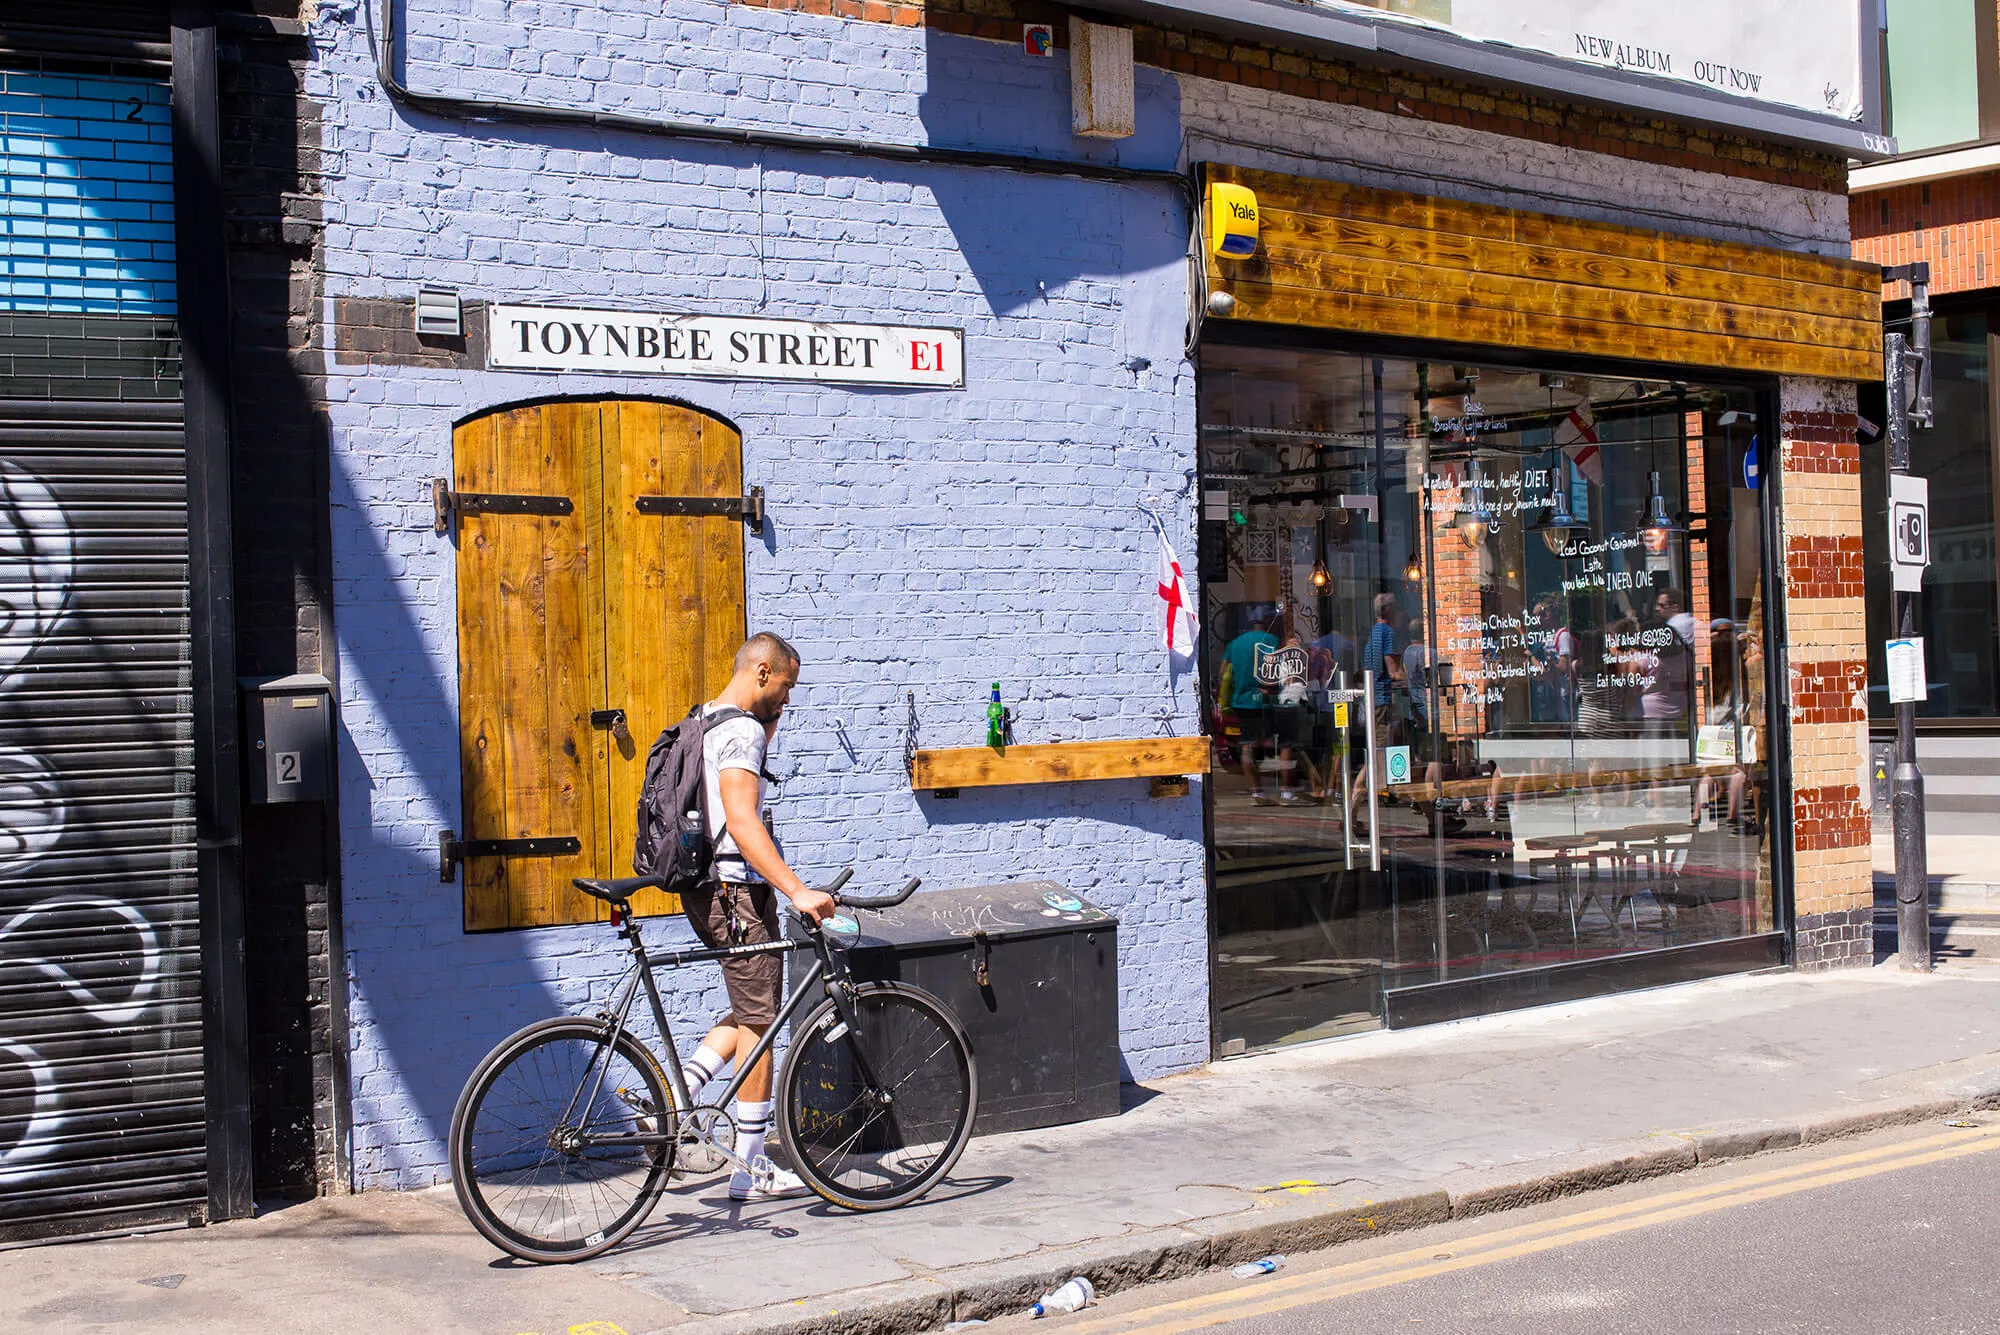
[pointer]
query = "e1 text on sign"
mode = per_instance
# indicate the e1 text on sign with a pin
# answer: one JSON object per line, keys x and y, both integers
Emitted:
{"x": 550, "y": 338}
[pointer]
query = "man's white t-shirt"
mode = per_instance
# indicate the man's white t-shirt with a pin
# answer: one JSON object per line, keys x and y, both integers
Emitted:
{"x": 738, "y": 743}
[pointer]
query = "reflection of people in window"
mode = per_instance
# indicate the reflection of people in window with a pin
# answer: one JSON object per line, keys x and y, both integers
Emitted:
{"x": 1730, "y": 713}
{"x": 1248, "y": 698}
{"x": 1671, "y": 658}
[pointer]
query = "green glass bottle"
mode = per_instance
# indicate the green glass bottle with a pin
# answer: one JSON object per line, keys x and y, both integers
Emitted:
{"x": 996, "y": 719}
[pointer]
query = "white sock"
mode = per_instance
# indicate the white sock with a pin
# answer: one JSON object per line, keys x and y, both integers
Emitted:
{"x": 753, "y": 1124}
{"x": 704, "y": 1066}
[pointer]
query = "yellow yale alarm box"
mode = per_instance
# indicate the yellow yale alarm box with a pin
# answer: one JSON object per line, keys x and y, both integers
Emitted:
{"x": 1232, "y": 220}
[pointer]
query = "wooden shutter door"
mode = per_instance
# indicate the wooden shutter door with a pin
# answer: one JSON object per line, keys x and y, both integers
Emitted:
{"x": 563, "y": 615}
{"x": 674, "y": 587}
{"x": 531, "y": 662}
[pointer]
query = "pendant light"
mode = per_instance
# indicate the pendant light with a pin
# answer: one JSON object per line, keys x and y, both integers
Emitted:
{"x": 1475, "y": 521}
{"x": 1559, "y": 527}
{"x": 1659, "y": 529}
{"x": 1320, "y": 579}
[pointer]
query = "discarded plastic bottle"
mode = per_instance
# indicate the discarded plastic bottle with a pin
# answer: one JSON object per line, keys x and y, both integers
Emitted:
{"x": 1263, "y": 1265}
{"x": 1072, "y": 1296}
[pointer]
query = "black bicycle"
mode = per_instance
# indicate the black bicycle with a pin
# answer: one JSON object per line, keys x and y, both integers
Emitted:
{"x": 568, "y": 1132}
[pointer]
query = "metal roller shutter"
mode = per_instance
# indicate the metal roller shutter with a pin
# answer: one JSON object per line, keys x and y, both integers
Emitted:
{"x": 101, "y": 1074}
{"x": 101, "y": 1115}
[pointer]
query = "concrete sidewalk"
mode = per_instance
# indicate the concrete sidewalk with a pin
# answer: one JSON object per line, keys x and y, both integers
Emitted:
{"x": 1271, "y": 1153}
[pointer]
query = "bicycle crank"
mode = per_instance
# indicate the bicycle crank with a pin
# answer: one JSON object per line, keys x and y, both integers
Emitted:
{"x": 707, "y": 1134}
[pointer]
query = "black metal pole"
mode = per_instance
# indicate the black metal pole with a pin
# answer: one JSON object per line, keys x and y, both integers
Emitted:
{"x": 1906, "y": 789}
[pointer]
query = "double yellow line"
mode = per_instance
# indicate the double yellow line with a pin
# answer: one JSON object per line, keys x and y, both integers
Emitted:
{"x": 1341, "y": 1281}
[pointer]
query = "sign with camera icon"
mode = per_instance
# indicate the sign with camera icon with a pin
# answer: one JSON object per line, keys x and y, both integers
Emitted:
{"x": 1909, "y": 531}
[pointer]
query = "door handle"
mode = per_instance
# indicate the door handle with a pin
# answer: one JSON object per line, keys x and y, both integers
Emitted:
{"x": 1374, "y": 799}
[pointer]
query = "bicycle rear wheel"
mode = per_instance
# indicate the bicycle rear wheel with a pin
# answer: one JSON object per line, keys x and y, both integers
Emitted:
{"x": 870, "y": 1145}
{"x": 525, "y": 1176}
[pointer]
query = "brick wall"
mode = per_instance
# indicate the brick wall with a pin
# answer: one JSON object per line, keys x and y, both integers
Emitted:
{"x": 1954, "y": 224}
{"x": 1827, "y": 674}
{"x": 1422, "y": 98}
{"x": 271, "y": 173}
{"x": 919, "y": 542}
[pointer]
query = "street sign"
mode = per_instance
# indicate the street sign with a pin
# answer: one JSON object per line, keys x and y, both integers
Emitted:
{"x": 1909, "y": 530}
{"x": 1396, "y": 761}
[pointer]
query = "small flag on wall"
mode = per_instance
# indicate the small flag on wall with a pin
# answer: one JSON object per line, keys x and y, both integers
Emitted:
{"x": 1178, "y": 628}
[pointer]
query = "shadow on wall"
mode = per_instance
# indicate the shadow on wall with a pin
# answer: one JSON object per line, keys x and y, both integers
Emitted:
{"x": 995, "y": 97}
{"x": 427, "y": 999}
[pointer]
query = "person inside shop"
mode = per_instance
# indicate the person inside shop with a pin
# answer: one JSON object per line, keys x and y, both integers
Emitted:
{"x": 1671, "y": 660}
{"x": 1554, "y": 651}
{"x": 1295, "y": 716}
{"x": 1249, "y": 699}
{"x": 1425, "y": 741}
{"x": 739, "y": 905}
{"x": 1379, "y": 655}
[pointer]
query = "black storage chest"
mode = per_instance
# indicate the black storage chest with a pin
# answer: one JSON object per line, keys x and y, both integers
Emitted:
{"x": 1031, "y": 971}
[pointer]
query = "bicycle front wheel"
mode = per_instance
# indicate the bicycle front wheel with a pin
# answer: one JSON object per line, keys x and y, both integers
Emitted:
{"x": 875, "y": 1112}
{"x": 528, "y": 1157}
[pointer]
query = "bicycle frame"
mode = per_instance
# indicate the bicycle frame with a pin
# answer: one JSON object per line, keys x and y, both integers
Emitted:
{"x": 825, "y": 970}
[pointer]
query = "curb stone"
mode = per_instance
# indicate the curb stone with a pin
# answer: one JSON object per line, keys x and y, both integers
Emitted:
{"x": 1298, "y": 1225}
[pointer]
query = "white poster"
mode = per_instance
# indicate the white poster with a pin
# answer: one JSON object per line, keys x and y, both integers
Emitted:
{"x": 550, "y": 338}
{"x": 1796, "y": 53}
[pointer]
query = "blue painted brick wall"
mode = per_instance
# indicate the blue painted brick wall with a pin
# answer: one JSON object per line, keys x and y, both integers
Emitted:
{"x": 921, "y": 541}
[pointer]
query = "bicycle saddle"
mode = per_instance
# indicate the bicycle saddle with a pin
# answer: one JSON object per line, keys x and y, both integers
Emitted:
{"x": 619, "y": 890}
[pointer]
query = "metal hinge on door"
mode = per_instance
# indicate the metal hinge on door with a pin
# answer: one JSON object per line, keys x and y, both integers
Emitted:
{"x": 453, "y": 850}
{"x": 749, "y": 507}
{"x": 447, "y": 505}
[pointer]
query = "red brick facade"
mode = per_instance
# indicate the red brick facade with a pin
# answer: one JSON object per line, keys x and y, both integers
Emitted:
{"x": 1822, "y": 443}
{"x": 1829, "y": 817}
{"x": 1823, "y": 567}
{"x": 1953, "y": 224}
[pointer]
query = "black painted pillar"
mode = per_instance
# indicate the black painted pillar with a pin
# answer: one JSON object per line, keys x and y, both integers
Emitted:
{"x": 204, "y": 326}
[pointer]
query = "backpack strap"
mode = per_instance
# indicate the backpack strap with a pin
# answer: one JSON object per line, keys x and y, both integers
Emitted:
{"x": 728, "y": 714}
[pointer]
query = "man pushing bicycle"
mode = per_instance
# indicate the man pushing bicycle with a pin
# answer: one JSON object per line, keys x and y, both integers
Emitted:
{"x": 738, "y": 905}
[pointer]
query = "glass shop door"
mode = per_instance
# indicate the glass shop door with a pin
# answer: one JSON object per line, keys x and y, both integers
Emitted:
{"x": 1304, "y": 539}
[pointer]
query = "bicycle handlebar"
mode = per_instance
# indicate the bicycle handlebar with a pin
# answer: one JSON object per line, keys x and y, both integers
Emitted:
{"x": 878, "y": 902}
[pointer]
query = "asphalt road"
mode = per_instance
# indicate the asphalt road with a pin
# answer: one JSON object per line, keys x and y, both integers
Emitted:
{"x": 1893, "y": 1233}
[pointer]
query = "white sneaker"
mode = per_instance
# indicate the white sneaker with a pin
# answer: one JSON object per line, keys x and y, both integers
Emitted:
{"x": 765, "y": 1182}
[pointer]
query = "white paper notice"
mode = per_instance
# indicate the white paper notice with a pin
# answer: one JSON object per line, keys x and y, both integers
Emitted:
{"x": 1906, "y": 671}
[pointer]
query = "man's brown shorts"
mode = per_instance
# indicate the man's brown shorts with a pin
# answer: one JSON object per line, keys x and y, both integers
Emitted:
{"x": 729, "y": 913}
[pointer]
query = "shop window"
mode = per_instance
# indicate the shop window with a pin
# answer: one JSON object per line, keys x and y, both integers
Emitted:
{"x": 582, "y": 634}
{"x": 1570, "y": 737}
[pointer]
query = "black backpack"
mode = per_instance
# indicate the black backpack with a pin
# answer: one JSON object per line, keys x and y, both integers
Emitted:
{"x": 673, "y": 842}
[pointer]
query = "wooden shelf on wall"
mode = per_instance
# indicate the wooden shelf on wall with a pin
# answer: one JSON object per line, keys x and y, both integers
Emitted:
{"x": 1059, "y": 762}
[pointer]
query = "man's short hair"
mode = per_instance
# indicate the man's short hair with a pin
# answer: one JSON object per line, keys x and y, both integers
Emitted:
{"x": 1674, "y": 596}
{"x": 764, "y": 647}
{"x": 1385, "y": 604}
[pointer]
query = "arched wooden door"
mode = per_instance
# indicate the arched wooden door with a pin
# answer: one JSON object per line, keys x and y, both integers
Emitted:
{"x": 582, "y": 600}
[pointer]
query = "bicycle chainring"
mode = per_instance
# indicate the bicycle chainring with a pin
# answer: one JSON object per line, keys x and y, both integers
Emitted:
{"x": 704, "y": 1131}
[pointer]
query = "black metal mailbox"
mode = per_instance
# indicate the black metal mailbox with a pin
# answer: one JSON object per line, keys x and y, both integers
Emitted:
{"x": 1031, "y": 971}
{"x": 288, "y": 738}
